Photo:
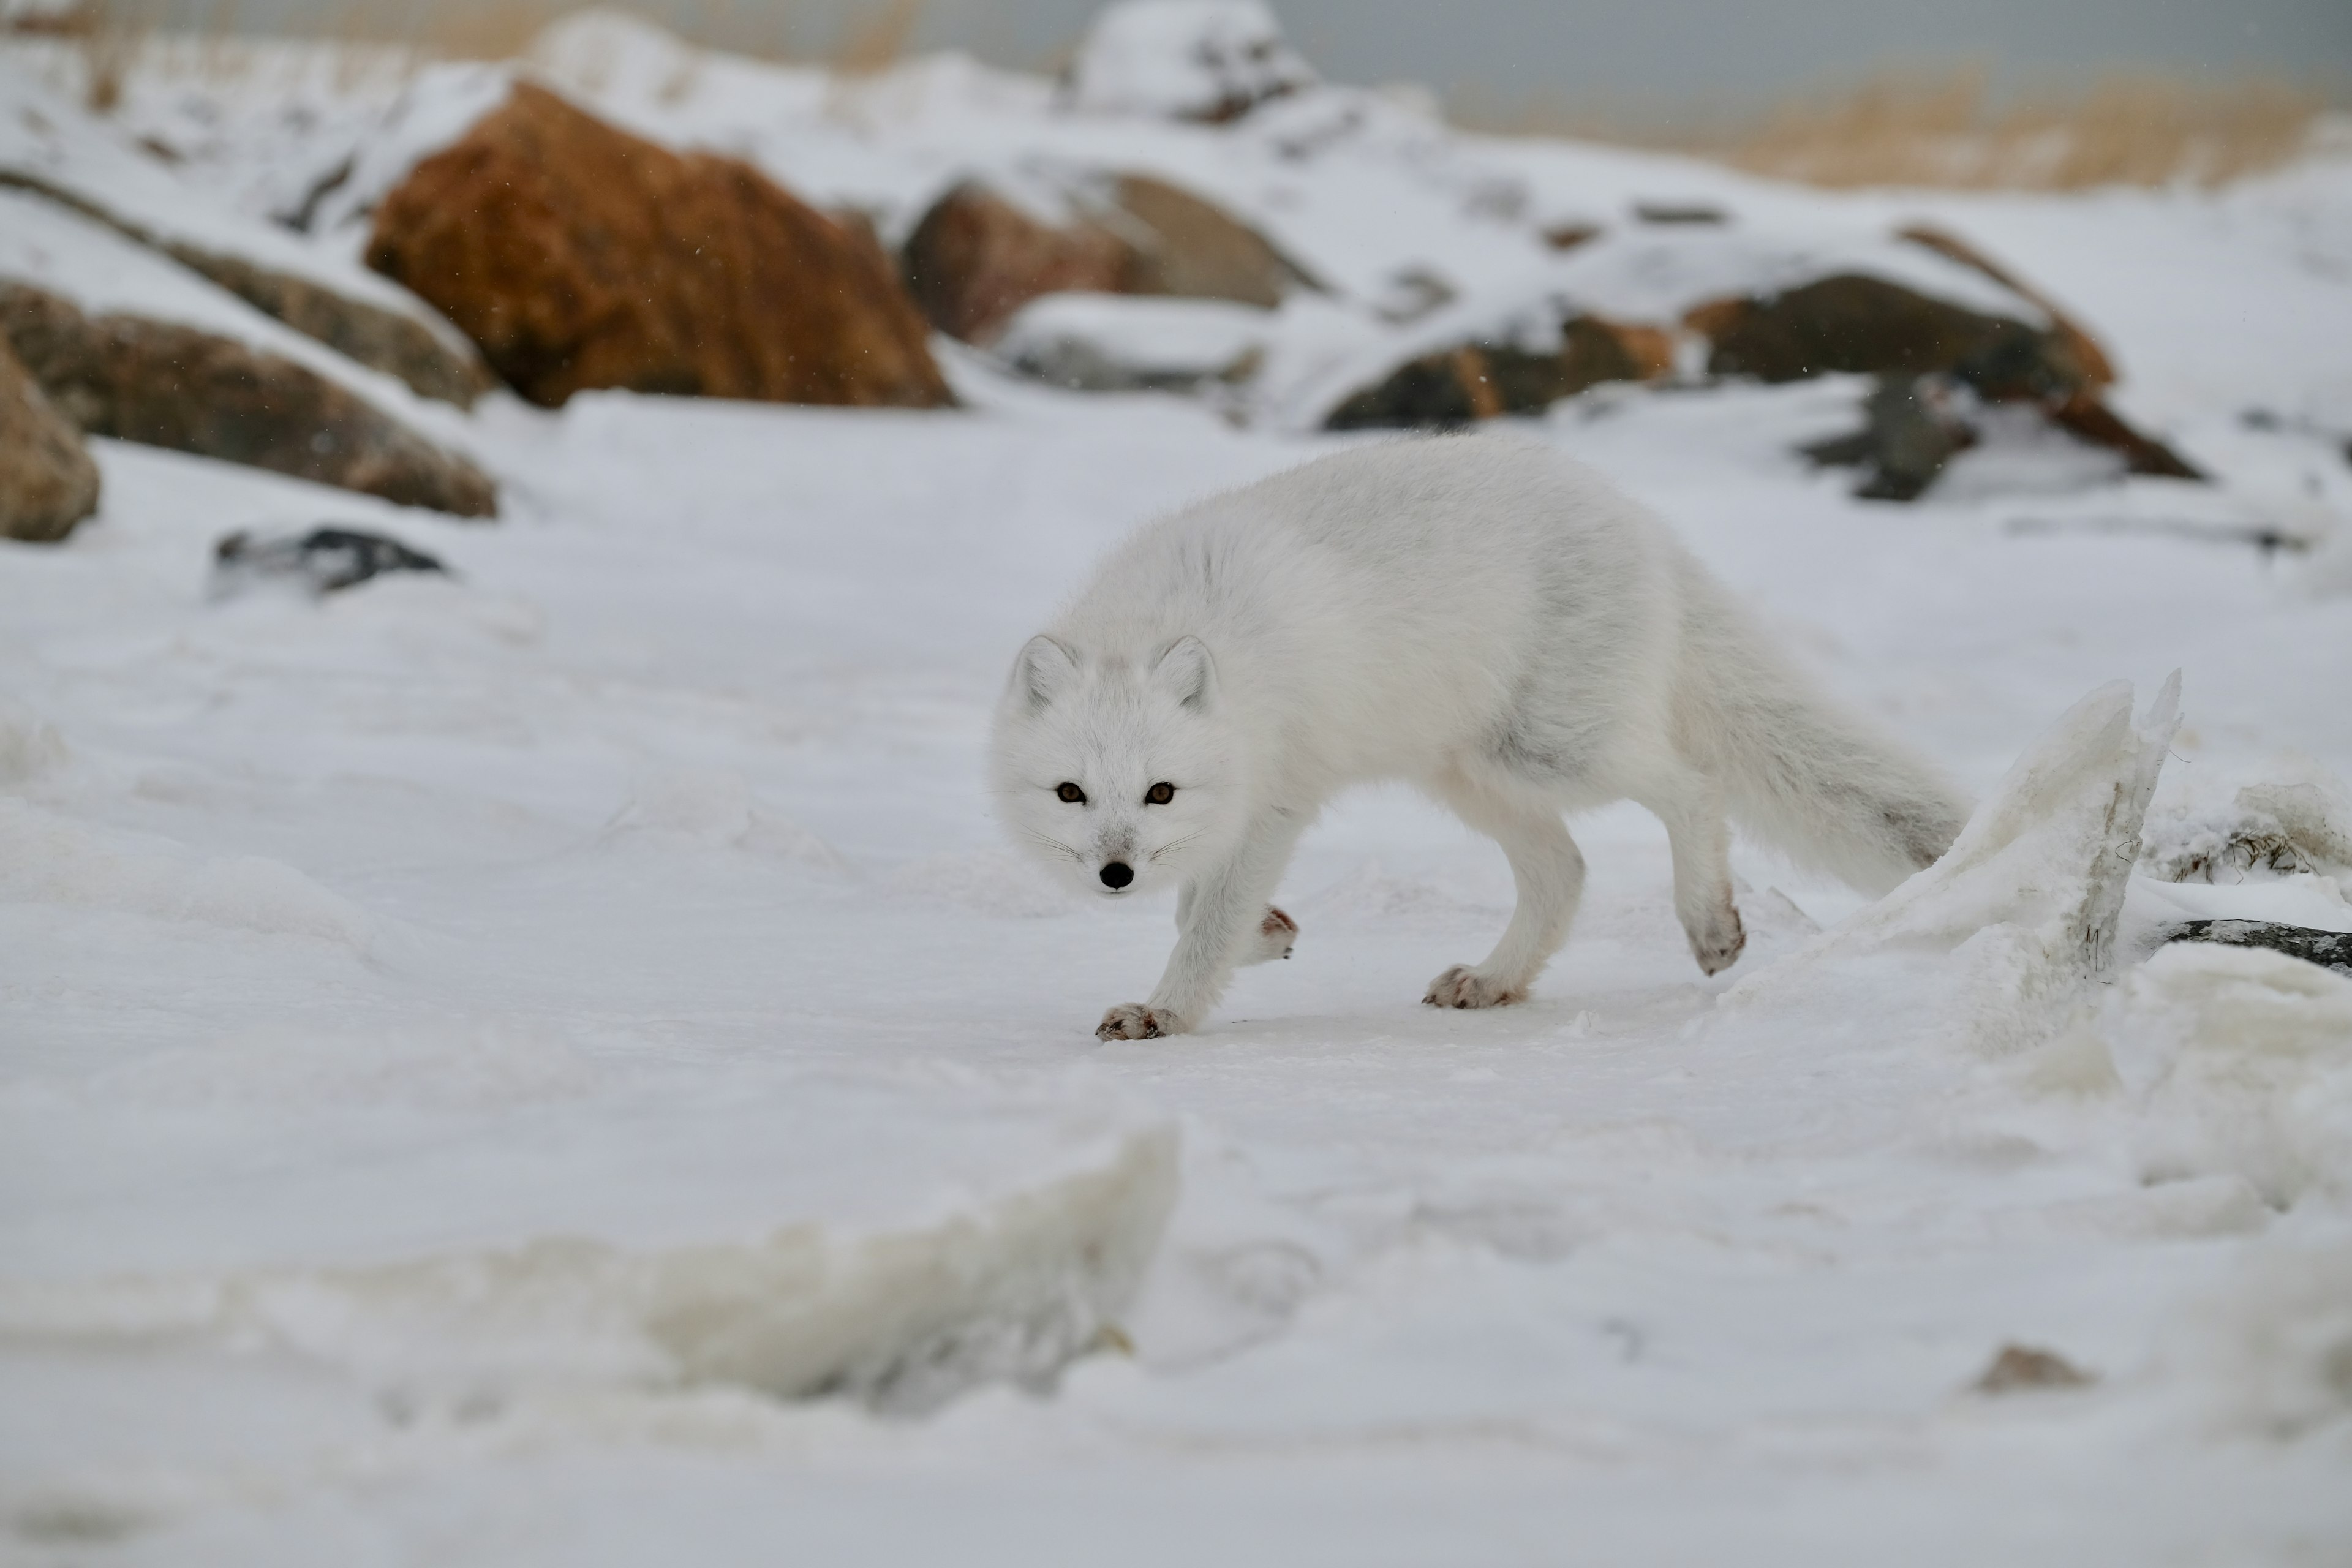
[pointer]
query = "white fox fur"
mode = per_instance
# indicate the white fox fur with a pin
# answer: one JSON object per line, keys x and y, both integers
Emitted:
{"x": 1475, "y": 614}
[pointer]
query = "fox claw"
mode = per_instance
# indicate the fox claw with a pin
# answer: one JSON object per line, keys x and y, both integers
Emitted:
{"x": 1132, "y": 1021}
{"x": 1719, "y": 941}
{"x": 1463, "y": 986}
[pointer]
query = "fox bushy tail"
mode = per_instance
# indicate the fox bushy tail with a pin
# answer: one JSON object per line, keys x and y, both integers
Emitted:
{"x": 1819, "y": 783}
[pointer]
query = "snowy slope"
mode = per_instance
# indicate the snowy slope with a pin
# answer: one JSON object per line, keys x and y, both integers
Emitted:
{"x": 468, "y": 1047}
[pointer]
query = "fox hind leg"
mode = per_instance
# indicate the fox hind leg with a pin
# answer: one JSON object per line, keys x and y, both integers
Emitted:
{"x": 1691, "y": 806}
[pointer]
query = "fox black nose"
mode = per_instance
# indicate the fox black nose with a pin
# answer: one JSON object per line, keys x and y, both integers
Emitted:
{"x": 1118, "y": 874}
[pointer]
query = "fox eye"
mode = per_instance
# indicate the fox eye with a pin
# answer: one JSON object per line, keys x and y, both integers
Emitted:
{"x": 1160, "y": 793}
{"x": 1072, "y": 794}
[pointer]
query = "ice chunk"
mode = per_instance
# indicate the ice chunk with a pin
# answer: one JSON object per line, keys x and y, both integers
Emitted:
{"x": 1999, "y": 938}
{"x": 2298, "y": 817}
{"x": 895, "y": 1238}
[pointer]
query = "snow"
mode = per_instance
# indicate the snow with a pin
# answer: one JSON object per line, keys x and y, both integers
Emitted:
{"x": 557, "y": 1064}
{"x": 1117, "y": 343}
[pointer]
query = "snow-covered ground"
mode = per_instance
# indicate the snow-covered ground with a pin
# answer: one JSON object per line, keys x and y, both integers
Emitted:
{"x": 558, "y": 1066}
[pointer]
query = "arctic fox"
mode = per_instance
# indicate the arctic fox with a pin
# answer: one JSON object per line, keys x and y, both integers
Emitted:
{"x": 1475, "y": 614}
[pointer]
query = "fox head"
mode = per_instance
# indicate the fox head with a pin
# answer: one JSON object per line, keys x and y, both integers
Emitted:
{"x": 1116, "y": 771}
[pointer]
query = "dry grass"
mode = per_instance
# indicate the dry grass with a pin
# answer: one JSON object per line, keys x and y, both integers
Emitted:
{"x": 874, "y": 39}
{"x": 1923, "y": 128}
{"x": 108, "y": 36}
{"x": 1945, "y": 129}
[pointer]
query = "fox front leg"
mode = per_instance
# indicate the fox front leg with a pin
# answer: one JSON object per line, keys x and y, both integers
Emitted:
{"x": 1222, "y": 921}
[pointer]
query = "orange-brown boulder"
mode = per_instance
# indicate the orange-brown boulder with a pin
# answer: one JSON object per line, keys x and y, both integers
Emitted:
{"x": 975, "y": 259}
{"x": 579, "y": 256}
{"x": 48, "y": 482}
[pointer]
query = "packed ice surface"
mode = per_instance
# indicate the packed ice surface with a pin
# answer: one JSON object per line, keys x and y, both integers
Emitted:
{"x": 556, "y": 1063}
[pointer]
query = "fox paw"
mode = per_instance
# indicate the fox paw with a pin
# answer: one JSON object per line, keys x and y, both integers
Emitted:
{"x": 1717, "y": 941}
{"x": 1463, "y": 986}
{"x": 1133, "y": 1021}
{"x": 1273, "y": 938}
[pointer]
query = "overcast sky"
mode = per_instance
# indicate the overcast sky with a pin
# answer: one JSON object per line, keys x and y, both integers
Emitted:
{"x": 1728, "y": 55}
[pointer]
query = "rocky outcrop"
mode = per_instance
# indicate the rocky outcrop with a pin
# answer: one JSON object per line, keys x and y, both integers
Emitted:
{"x": 976, "y": 256}
{"x": 171, "y": 385}
{"x": 577, "y": 256}
{"x": 1479, "y": 381}
{"x": 376, "y": 337}
{"x": 48, "y": 483}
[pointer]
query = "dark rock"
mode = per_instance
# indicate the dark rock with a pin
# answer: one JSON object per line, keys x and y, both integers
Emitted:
{"x": 48, "y": 482}
{"x": 1680, "y": 213}
{"x": 2021, "y": 1367}
{"x": 1480, "y": 381}
{"x": 1856, "y": 324}
{"x": 325, "y": 560}
{"x": 2097, "y": 368}
{"x": 2329, "y": 949}
{"x": 578, "y": 256}
{"x": 1914, "y": 424}
{"x": 976, "y": 258}
{"x": 370, "y": 334}
{"x": 166, "y": 385}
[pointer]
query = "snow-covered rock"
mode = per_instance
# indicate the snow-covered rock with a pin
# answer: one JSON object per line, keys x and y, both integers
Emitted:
{"x": 51, "y": 146}
{"x": 980, "y": 254}
{"x": 126, "y": 342}
{"x": 1186, "y": 59}
{"x": 2298, "y": 817}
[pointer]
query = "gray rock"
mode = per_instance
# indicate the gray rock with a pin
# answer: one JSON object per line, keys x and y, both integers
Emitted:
{"x": 166, "y": 385}
{"x": 2329, "y": 949}
{"x": 378, "y": 338}
{"x": 324, "y": 560}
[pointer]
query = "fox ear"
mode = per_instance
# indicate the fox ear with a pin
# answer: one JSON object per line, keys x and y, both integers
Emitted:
{"x": 1043, "y": 671}
{"x": 1186, "y": 672}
